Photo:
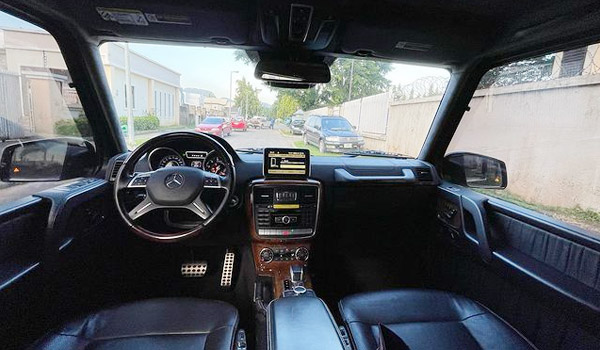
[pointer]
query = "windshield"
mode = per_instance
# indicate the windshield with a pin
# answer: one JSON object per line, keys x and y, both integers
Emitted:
{"x": 336, "y": 125}
{"x": 387, "y": 108}
{"x": 210, "y": 120}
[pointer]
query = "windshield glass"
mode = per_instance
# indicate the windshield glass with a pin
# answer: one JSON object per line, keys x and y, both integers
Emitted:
{"x": 336, "y": 125}
{"x": 384, "y": 107}
{"x": 210, "y": 120}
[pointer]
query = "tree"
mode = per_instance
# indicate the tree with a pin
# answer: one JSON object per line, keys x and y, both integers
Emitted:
{"x": 368, "y": 78}
{"x": 246, "y": 98}
{"x": 285, "y": 106}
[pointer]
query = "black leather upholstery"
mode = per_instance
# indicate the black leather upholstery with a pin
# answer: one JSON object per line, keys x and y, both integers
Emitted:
{"x": 173, "y": 324}
{"x": 426, "y": 319}
{"x": 301, "y": 323}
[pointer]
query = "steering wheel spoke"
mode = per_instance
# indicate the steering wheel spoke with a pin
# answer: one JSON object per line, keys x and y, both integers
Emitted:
{"x": 144, "y": 207}
{"x": 199, "y": 208}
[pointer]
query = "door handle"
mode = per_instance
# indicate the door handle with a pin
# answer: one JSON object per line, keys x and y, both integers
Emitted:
{"x": 477, "y": 209}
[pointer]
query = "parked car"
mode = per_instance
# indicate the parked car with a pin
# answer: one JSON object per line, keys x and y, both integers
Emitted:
{"x": 239, "y": 124}
{"x": 297, "y": 126}
{"x": 217, "y": 126}
{"x": 331, "y": 134}
{"x": 258, "y": 122}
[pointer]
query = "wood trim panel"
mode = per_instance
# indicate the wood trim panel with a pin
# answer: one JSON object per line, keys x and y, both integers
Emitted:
{"x": 279, "y": 270}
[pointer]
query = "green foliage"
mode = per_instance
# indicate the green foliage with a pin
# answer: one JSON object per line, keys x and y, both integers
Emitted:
{"x": 368, "y": 78}
{"x": 285, "y": 106}
{"x": 246, "y": 98}
{"x": 147, "y": 122}
{"x": 78, "y": 127}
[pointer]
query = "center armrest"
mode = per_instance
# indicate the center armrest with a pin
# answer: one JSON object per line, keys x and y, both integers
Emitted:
{"x": 301, "y": 323}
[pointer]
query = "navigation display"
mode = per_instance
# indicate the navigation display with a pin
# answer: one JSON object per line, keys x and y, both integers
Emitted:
{"x": 286, "y": 163}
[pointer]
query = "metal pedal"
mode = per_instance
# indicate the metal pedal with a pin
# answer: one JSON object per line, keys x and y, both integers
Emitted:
{"x": 227, "y": 274}
{"x": 194, "y": 269}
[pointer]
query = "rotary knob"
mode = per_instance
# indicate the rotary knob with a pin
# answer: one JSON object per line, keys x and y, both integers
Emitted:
{"x": 266, "y": 255}
{"x": 286, "y": 220}
{"x": 301, "y": 254}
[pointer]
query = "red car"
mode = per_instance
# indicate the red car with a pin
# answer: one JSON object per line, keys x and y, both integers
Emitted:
{"x": 217, "y": 126}
{"x": 239, "y": 124}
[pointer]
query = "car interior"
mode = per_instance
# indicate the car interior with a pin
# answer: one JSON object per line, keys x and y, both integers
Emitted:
{"x": 277, "y": 248}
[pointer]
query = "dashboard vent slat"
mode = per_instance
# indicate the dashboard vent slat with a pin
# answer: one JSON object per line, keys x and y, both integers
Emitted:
{"x": 424, "y": 174}
{"x": 115, "y": 169}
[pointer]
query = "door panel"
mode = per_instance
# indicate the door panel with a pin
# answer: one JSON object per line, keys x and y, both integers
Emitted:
{"x": 542, "y": 276}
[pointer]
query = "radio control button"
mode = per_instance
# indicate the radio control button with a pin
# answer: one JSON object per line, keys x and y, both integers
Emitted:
{"x": 286, "y": 220}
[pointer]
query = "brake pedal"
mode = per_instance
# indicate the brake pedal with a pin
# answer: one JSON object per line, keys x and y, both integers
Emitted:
{"x": 194, "y": 269}
{"x": 227, "y": 274}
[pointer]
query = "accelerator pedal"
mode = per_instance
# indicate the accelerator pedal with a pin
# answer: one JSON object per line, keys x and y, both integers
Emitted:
{"x": 227, "y": 274}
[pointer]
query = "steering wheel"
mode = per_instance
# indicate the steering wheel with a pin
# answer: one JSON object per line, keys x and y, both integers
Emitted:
{"x": 177, "y": 187}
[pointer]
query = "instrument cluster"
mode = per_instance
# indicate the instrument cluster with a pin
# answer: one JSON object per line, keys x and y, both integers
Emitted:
{"x": 163, "y": 157}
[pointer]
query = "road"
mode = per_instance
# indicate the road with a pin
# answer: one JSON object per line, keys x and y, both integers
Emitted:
{"x": 259, "y": 138}
{"x": 252, "y": 138}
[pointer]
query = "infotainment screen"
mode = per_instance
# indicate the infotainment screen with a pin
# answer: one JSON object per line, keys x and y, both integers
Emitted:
{"x": 286, "y": 163}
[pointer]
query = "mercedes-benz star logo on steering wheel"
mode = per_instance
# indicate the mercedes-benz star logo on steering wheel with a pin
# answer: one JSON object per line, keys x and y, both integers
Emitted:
{"x": 174, "y": 181}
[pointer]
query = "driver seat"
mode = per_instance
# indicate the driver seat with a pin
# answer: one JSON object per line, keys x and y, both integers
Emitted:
{"x": 174, "y": 324}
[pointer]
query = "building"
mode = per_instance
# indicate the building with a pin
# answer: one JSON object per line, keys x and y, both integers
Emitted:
{"x": 155, "y": 89}
{"x": 216, "y": 106}
{"x": 35, "y": 83}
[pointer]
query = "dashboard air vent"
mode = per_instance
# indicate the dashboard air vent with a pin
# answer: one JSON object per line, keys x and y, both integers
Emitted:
{"x": 115, "y": 169}
{"x": 424, "y": 174}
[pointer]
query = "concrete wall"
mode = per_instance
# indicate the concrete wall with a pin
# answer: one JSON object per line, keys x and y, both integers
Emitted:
{"x": 548, "y": 134}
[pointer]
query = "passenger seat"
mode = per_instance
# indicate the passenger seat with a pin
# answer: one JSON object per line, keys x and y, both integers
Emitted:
{"x": 426, "y": 320}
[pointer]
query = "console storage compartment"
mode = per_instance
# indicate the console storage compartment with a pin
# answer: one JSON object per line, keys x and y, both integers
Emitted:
{"x": 301, "y": 323}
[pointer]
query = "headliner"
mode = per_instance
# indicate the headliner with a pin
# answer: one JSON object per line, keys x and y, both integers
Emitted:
{"x": 455, "y": 32}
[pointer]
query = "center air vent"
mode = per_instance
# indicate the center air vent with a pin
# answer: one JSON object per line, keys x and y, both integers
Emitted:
{"x": 115, "y": 169}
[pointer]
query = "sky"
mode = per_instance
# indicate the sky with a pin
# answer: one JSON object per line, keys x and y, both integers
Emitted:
{"x": 210, "y": 68}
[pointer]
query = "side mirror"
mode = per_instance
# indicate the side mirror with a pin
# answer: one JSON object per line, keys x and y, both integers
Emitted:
{"x": 317, "y": 127}
{"x": 47, "y": 160}
{"x": 474, "y": 170}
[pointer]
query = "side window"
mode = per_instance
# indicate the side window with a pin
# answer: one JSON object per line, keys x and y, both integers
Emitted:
{"x": 309, "y": 122}
{"x": 37, "y": 101}
{"x": 541, "y": 117}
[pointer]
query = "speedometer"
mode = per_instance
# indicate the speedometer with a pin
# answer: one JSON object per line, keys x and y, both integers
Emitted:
{"x": 215, "y": 165}
{"x": 171, "y": 160}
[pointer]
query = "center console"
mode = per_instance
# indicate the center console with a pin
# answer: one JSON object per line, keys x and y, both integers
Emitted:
{"x": 283, "y": 212}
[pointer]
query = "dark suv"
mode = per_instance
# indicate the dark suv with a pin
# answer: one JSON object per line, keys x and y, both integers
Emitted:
{"x": 331, "y": 134}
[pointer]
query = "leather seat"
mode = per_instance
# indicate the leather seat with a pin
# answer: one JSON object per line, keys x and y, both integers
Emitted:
{"x": 426, "y": 319}
{"x": 174, "y": 324}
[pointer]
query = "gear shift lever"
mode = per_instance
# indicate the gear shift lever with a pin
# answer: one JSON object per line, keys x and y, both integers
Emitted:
{"x": 297, "y": 274}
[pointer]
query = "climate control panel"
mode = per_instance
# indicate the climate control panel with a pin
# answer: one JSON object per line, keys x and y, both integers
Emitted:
{"x": 269, "y": 254}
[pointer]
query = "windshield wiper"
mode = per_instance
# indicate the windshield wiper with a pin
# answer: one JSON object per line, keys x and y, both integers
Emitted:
{"x": 382, "y": 154}
{"x": 254, "y": 150}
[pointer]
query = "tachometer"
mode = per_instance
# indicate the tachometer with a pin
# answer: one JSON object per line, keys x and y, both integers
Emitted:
{"x": 171, "y": 160}
{"x": 215, "y": 165}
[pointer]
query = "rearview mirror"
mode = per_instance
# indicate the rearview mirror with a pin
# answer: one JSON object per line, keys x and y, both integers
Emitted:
{"x": 47, "y": 160}
{"x": 292, "y": 74}
{"x": 475, "y": 170}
